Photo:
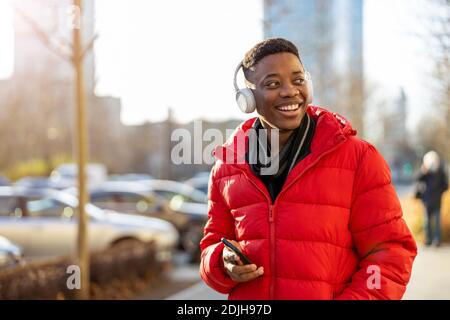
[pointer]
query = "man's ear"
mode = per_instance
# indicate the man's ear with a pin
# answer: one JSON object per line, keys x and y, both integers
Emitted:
{"x": 249, "y": 79}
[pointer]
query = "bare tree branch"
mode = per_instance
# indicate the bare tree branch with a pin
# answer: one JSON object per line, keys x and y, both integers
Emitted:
{"x": 61, "y": 48}
{"x": 89, "y": 46}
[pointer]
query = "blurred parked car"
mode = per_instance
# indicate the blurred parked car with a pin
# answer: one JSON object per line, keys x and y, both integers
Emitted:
{"x": 43, "y": 222}
{"x": 132, "y": 198}
{"x": 189, "y": 201}
{"x": 4, "y": 181}
{"x": 130, "y": 177}
{"x": 10, "y": 254}
{"x": 199, "y": 181}
{"x": 125, "y": 198}
{"x": 137, "y": 198}
{"x": 66, "y": 175}
{"x": 35, "y": 182}
{"x": 168, "y": 189}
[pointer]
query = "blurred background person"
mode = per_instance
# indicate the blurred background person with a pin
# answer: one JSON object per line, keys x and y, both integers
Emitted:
{"x": 432, "y": 182}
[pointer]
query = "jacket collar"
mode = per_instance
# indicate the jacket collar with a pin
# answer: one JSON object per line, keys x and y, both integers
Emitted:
{"x": 330, "y": 129}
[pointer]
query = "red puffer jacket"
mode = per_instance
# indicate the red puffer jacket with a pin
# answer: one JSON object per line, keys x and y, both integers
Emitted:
{"x": 335, "y": 231}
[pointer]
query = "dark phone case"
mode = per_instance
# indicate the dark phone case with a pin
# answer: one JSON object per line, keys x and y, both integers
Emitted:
{"x": 244, "y": 259}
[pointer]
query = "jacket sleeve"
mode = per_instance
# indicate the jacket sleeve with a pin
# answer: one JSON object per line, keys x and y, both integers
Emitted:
{"x": 220, "y": 224}
{"x": 380, "y": 235}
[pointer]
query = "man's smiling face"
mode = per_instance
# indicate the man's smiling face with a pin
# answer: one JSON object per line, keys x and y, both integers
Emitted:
{"x": 280, "y": 90}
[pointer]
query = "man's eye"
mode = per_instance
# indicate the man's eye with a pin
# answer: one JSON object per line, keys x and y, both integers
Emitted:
{"x": 272, "y": 84}
{"x": 299, "y": 81}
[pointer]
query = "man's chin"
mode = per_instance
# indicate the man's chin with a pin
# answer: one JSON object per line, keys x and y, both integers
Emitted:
{"x": 289, "y": 125}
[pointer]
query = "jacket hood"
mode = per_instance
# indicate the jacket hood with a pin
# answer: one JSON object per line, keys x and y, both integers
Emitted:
{"x": 331, "y": 128}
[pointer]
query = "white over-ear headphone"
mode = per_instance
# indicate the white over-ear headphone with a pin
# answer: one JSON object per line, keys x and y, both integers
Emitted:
{"x": 246, "y": 100}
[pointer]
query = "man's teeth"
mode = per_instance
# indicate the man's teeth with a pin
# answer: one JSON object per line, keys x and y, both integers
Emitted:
{"x": 288, "y": 108}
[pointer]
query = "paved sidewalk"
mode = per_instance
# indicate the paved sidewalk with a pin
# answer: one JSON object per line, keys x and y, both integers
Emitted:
{"x": 431, "y": 275}
{"x": 199, "y": 291}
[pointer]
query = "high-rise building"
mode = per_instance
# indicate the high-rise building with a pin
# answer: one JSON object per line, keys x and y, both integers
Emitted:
{"x": 329, "y": 35}
{"x": 396, "y": 147}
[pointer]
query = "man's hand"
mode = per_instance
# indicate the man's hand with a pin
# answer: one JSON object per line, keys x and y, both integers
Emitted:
{"x": 236, "y": 269}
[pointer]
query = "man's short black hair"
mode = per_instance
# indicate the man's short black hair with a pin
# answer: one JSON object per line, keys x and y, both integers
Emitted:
{"x": 264, "y": 49}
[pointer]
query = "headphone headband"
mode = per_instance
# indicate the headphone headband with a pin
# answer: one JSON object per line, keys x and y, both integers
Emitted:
{"x": 236, "y": 88}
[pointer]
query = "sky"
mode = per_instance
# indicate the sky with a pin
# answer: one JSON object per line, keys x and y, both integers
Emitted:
{"x": 179, "y": 54}
{"x": 395, "y": 55}
{"x": 6, "y": 40}
{"x": 182, "y": 54}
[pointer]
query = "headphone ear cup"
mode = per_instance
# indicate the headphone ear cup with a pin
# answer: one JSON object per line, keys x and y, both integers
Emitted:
{"x": 246, "y": 100}
{"x": 310, "y": 87}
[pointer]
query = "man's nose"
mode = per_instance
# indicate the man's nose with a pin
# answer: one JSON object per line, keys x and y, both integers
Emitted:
{"x": 289, "y": 90}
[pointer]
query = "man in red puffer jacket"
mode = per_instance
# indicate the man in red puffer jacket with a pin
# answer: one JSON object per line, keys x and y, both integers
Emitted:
{"x": 327, "y": 223}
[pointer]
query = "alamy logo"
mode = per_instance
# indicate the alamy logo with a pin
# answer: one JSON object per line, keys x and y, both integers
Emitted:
{"x": 189, "y": 145}
{"x": 74, "y": 280}
{"x": 374, "y": 280}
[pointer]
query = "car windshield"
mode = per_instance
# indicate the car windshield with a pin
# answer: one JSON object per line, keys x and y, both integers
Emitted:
{"x": 42, "y": 205}
{"x": 49, "y": 207}
{"x": 169, "y": 189}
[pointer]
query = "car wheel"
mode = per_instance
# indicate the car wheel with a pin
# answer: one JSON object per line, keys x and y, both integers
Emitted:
{"x": 126, "y": 242}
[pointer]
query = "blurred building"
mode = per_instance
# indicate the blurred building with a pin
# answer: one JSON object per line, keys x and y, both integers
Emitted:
{"x": 152, "y": 147}
{"x": 396, "y": 147}
{"x": 329, "y": 35}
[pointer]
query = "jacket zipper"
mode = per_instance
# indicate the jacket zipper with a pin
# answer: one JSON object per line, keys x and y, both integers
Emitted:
{"x": 272, "y": 251}
{"x": 272, "y": 215}
{"x": 271, "y": 235}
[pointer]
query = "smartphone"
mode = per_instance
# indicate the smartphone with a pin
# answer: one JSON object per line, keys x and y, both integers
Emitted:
{"x": 243, "y": 258}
